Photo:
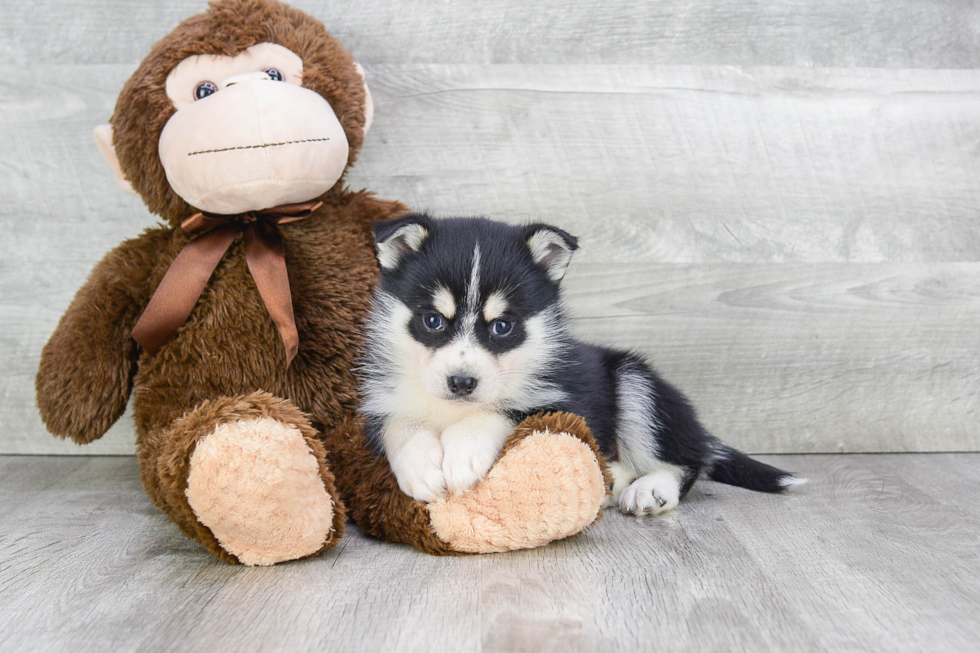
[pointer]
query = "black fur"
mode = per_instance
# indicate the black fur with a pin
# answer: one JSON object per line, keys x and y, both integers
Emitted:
{"x": 446, "y": 259}
{"x": 590, "y": 376}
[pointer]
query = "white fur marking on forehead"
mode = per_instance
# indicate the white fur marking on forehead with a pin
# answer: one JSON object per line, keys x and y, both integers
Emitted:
{"x": 443, "y": 302}
{"x": 550, "y": 250}
{"x": 495, "y": 307}
{"x": 406, "y": 239}
{"x": 473, "y": 289}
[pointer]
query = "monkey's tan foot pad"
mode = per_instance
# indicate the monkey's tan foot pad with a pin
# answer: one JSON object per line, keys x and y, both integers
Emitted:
{"x": 545, "y": 487}
{"x": 256, "y": 484}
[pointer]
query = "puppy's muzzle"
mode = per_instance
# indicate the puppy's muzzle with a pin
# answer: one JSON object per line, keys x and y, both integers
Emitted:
{"x": 461, "y": 385}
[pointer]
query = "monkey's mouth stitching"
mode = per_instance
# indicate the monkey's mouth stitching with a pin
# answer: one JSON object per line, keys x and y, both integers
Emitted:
{"x": 253, "y": 147}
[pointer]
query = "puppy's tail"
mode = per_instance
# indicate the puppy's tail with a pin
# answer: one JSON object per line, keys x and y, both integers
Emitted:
{"x": 733, "y": 467}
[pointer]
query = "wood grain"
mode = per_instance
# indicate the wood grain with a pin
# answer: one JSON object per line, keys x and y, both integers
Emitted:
{"x": 795, "y": 248}
{"x": 681, "y": 164}
{"x": 803, "y": 357}
{"x": 657, "y": 164}
{"x": 876, "y": 553}
{"x": 845, "y": 33}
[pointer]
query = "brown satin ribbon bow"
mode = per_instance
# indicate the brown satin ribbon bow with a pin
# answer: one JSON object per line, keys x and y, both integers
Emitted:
{"x": 211, "y": 236}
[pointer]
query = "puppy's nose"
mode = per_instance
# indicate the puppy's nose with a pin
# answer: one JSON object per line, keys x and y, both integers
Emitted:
{"x": 461, "y": 385}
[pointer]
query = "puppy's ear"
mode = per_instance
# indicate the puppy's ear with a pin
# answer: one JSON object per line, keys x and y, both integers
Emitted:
{"x": 397, "y": 238}
{"x": 551, "y": 248}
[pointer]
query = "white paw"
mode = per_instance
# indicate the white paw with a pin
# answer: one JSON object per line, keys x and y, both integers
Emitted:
{"x": 652, "y": 494}
{"x": 418, "y": 467}
{"x": 468, "y": 458}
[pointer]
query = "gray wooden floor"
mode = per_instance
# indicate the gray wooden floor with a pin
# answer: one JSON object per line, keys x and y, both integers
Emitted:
{"x": 878, "y": 552}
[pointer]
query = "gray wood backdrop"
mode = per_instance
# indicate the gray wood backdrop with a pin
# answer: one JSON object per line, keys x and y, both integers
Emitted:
{"x": 778, "y": 199}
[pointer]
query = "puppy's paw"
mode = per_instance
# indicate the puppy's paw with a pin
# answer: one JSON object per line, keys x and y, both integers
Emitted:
{"x": 426, "y": 484}
{"x": 652, "y": 494}
{"x": 468, "y": 458}
{"x": 418, "y": 468}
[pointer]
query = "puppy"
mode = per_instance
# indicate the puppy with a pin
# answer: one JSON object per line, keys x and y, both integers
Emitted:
{"x": 467, "y": 337}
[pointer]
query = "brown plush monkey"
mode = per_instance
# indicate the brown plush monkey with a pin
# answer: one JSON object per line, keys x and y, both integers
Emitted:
{"x": 237, "y": 130}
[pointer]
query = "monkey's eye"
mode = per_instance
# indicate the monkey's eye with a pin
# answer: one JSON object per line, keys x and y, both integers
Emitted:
{"x": 204, "y": 89}
{"x": 274, "y": 74}
{"x": 501, "y": 327}
{"x": 434, "y": 322}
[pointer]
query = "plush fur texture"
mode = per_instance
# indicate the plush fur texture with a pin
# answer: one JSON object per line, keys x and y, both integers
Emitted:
{"x": 226, "y": 365}
{"x": 166, "y": 455}
{"x": 255, "y": 485}
{"x": 545, "y": 485}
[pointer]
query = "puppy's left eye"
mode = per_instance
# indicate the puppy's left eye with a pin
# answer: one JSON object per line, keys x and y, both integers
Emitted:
{"x": 501, "y": 327}
{"x": 274, "y": 74}
{"x": 433, "y": 322}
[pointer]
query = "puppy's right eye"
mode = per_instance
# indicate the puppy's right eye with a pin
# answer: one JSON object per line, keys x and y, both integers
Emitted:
{"x": 501, "y": 327}
{"x": 434, "y": 322}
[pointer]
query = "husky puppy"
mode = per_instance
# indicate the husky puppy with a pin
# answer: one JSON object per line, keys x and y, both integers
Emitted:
{"x": 467, "y": 337}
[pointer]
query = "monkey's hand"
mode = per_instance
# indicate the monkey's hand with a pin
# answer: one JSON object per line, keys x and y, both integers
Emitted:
{"x": 87, "y": 367}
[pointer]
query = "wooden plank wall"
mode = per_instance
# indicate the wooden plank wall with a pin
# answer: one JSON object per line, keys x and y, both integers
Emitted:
{"x": 779, "y": 201}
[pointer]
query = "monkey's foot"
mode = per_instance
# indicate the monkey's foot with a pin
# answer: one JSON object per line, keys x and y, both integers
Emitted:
{"x": 256, "y": 484}
{"x": 547, "y": 484}
{"x": 247, "y": 477}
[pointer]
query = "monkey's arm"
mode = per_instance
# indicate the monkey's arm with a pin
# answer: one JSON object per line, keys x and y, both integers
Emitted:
{"x": 87, "y": 367}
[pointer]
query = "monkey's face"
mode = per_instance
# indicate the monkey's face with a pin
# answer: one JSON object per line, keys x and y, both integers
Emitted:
{"x": 250, "y": 105}
{"x": 246, "y": 134}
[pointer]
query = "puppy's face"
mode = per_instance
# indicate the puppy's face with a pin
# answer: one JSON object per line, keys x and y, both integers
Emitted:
{"x": 472, "y": 304}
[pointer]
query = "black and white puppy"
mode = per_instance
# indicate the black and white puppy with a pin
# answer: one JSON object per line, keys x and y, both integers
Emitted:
{"x": 467, "y": 337}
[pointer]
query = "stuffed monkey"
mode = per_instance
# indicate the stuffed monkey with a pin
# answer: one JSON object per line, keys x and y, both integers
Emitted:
{"x": 237, "y": 324}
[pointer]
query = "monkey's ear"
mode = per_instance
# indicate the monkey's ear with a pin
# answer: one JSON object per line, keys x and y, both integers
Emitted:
{"x": 368, "y": 102}
{"x": 397, "y": 238}
{"x": 551, "y": 248}
{"x": 103, "y": 138}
